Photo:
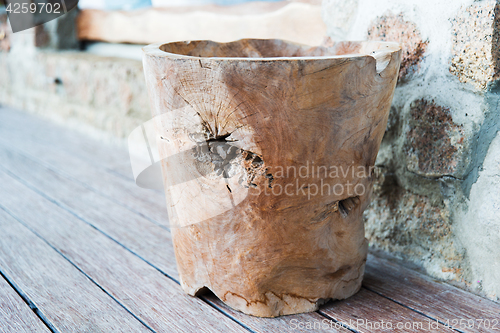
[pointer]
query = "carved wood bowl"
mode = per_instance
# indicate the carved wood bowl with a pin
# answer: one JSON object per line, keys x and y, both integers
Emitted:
{"x": 268, "y": 150}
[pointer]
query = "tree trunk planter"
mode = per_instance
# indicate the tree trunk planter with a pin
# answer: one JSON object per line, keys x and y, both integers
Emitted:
{"x": 268, "y": 149}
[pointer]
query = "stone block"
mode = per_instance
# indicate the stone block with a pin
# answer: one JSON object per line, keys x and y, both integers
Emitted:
{"x": 476, "y": 44}
{"x": 394, "y": 28}
{"x": 434, "y": 144}
{"x": 412, "y": 226}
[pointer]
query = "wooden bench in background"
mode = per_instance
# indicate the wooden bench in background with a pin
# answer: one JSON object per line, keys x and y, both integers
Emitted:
{"x": 298, "y": 21}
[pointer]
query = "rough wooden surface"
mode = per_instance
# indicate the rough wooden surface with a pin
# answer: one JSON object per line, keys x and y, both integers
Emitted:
{"x": 299, "y": 22}
{"x": 43, "y": 276}
{"x": 264, "y": 106}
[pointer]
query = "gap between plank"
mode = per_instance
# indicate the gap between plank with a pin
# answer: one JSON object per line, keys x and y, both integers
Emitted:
{"x": 225, "y": 314}
{"x": 410, "y": 308}
{"x": 26, "y": 299}
{"x": 74, "y": 265}
{"x": 341, "y": 323}
{"x": 111, "y": 238}
{"x": 57, "y": 203}
{"x": 76, "y": 180}
{"x": 33, "y": 123}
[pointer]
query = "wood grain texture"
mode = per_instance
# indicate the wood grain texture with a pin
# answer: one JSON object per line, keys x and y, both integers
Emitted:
{"x": 279, "y": 106}
{"x": 90, "y": 166}
{"x": 368, "y": 312}
{"x": 104, "y": 214}
{"x": 23, "y": 126}
{"x": 65, "y": 296}
{"x": 432, "y": 298}
{"x": 139, "y": 287}
{"x": 15, "y": 315}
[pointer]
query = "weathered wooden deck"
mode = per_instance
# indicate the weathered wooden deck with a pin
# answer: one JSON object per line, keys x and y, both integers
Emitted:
{"x": 83, "y": 249}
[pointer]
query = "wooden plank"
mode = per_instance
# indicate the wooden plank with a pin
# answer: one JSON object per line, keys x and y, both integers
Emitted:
{"x": 139, "y": 235}
{"x": 368, "y": 312}
{"x": 437, "y": 300}
{"x": 305, "y": 322}
{"x": 79, "y": 167}
{"x": 111, "y": 157}
{"x": 227, "y": 23}
{"x": 15, "y": 315}
{"x": 67, "y": 298}
{"x": 155, "y": 299}
{"x": 144, "y": 202}
{"x": 18, "y": 125}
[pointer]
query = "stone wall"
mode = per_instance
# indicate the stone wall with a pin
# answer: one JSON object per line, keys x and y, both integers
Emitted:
{"x": 437, "y": 198}
{"x": 107, "y": 94}
{"x": 103, "y": 96}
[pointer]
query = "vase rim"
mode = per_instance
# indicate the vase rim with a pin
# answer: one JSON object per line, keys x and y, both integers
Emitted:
{"x": 374, "y": 49}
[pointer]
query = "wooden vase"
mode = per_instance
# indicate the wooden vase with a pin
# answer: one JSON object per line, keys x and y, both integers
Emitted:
{"x": 267, "y": 154}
